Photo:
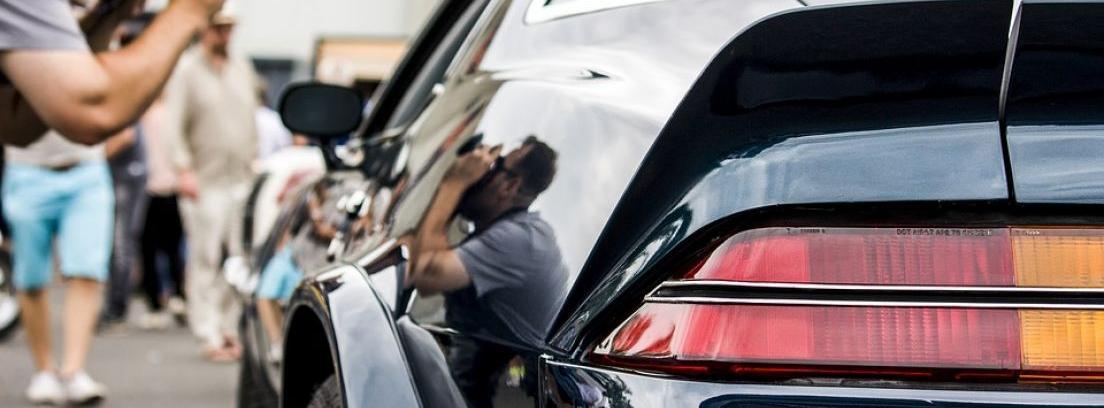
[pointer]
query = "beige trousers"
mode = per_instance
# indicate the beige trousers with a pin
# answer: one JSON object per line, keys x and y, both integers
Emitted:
{"x": 213, "y": 224}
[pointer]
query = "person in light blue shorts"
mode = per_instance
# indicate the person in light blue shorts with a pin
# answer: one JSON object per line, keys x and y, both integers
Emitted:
{"x": 279, "y": 278}
{"x": 73, "y": 206}
{"x": 58, "y": 201}
{"x": 56, "y": 76}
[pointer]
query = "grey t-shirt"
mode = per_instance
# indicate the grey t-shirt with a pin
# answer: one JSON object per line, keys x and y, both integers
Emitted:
{"x": 518, "y": 280}
{"x": 39, "y": 24}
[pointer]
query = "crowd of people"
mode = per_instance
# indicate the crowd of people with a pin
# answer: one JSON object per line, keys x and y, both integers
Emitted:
{"x": 131, "y": 142}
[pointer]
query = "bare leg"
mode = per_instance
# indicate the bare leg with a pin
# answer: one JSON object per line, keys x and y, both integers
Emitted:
{"x": 272, "y": 317}
{"x": 35, "y": 309}
{"x": 82, "y": 306}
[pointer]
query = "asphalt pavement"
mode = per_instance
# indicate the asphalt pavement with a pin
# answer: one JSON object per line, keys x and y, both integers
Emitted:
{"x": 140, "y": 368}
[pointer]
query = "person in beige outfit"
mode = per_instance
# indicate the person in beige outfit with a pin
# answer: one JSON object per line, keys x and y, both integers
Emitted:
{"x": 209, "y": 115}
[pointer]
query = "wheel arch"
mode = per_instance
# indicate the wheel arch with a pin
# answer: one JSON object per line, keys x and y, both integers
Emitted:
{"x": 309, "y": 357}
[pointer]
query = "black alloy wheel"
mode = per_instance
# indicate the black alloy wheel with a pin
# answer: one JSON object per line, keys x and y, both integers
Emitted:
{"x": 254, "y": 388}
{"x": 327, "y": 395}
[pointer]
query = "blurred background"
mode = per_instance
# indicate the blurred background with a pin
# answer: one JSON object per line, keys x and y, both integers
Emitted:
{"x": 353, "y": 43}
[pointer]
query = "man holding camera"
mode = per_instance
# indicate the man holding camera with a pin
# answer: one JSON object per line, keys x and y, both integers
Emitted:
{"x": 506, "y": 280}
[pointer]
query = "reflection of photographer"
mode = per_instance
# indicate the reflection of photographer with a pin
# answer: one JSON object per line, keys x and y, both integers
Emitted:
{"x": 507, "y": 279}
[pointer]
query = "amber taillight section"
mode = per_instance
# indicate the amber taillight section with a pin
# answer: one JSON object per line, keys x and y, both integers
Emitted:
{"x": 1068, "y": 258}
{"x": 1059, "y": 340}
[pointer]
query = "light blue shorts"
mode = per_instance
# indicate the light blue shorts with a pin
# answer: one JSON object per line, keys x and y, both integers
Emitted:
{"x": 280, "y": 276}
{"x": 75, "y": 207}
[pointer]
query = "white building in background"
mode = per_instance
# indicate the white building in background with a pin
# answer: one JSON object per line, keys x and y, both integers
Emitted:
{"x": 281, "y": 36}
{"x": 288, "y": 29}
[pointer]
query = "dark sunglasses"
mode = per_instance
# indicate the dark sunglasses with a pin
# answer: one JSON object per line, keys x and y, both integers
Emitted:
{"x": 500, "y": 166}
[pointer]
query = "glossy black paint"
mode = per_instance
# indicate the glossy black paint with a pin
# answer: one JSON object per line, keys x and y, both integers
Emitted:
{"x": 569, "y": 385}
{"x": 671, "y": 120}
{"x": 367, "y": 352}
{"x": 856, "y": 103}
{"x": 1055, "y": 108}
{"x": 600, "y": 111}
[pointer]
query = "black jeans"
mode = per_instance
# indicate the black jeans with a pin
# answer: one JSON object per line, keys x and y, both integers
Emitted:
{"x": 477, "y": 367}
{"x": 130, "y": 210}
{"x": 161, "y": 239}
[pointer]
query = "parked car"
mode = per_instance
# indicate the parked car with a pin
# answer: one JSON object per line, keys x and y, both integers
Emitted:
{"x": 271, "y": 204}
{"x": 756, "y": 203}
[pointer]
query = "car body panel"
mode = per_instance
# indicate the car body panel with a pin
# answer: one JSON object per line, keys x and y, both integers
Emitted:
{"x": 369, "y": 357}
{"x": 1055, "y": 107}
{"x": 622, "y": 96}
{"x": 660, "y": 143}
{"x": 580, "y": 386}
{"x": 878, "y": 109}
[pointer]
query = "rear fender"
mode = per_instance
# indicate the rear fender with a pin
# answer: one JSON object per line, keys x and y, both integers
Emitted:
{"x": 364, "y": 350}
{"x": 857, "y": 103}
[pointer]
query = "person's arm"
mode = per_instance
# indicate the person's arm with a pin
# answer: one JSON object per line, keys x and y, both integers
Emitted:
{"x": 174, "y": 132}
{"x": 119, "y": 142}
{"x": 88, "y": 97}
{"x": 99, "y": 30}
{"x": 434, "y": 266}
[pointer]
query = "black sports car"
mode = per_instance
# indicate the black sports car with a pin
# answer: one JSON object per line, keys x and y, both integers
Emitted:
{"x": 756, "y": 203}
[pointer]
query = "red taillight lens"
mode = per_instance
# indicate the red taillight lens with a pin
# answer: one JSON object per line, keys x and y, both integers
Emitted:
{"x": 964, "y": 339}
{"x": 882, "y": 256}
{"x": 752, "y": 335}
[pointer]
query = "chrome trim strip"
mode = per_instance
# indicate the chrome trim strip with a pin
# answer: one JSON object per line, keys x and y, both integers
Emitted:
{"x": 444, "y": 331}
{"x": 540, "y": 12}
{"x": 808, "y": 302}
{"x": 873, "y": 288}
{"x": 378, "y": 253}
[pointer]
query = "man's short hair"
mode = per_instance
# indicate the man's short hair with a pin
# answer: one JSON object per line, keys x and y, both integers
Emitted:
{"x": 537, "y": 168}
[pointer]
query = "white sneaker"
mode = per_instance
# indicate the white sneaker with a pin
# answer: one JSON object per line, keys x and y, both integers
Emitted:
{"x": 46, "y": 389}
{"x": 275, "y": 355}
{"x": 179, "y": 310}
{"x": 82, "y": 389}
{"x": 155, "y": 321}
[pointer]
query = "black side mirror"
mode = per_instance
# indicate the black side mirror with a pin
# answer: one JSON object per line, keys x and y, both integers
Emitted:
{"x": 321, "y": 111}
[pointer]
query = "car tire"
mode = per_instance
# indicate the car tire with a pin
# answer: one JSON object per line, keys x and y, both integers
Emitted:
{"x": 254, "y": 388}
{"x": 327, "y": 395}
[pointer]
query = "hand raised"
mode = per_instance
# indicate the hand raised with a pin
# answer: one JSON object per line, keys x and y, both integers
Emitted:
{"x": 188, "y": 185}
{"x": 207, "y": 7}
{"x": 472, "y": 166}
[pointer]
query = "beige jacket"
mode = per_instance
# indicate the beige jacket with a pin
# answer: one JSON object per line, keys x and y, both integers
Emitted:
{"x": 209, "y": 119}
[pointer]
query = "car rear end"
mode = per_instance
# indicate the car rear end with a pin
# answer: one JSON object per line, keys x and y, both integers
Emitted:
{"x": 874, "y": 204}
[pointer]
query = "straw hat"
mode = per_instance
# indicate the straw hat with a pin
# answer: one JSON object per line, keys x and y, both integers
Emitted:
{"x": 227, "y": 16}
